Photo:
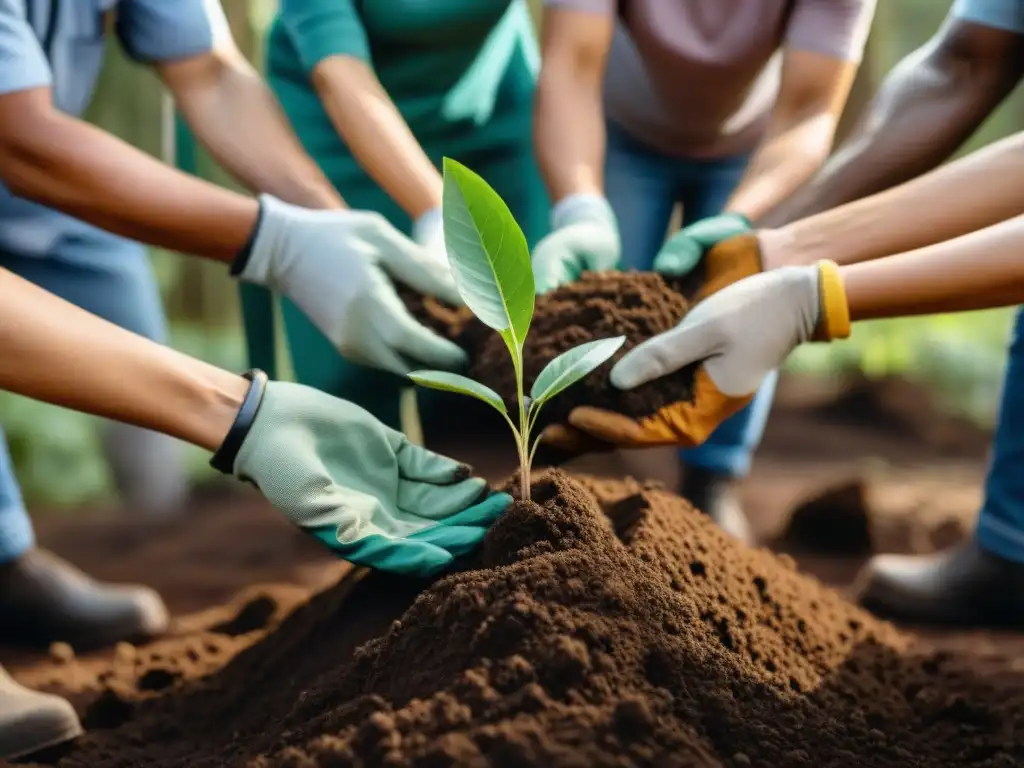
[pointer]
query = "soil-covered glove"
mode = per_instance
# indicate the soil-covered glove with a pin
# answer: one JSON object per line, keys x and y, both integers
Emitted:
{"x": 713, "y": 252}
{"x": 337, "y": 266}
{"x": 738, "y": 336}
{"x": 356, "y": 485}
{"x": 584, "y": 237}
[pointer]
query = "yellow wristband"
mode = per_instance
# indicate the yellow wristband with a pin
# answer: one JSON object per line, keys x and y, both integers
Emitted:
{"x": 834, "y": 312}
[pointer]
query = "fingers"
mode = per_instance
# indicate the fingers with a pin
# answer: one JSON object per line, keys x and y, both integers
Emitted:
{"x": 562, "y": 442}
{"x": 678, "y": 256}
{"x": 438, "y": 502}
{"x": 403, "y": 556}
{"x": 482, "y": 514}
{"x": 617, "y": 429}
{"x": 456, "y": 539}
{"x": 409, "y": 263}
{"x": 665, "y": 353}
{"x": 679, "y": 424}
{"x": 417, "y": 342}
{"x": 553, "y": 265}
{"x": 417, "y": 463}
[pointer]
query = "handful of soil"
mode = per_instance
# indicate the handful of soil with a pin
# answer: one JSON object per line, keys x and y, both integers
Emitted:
{"x": 637, "y": 305}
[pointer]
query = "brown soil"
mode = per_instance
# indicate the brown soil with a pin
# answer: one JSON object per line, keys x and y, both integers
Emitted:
{"x": 642, "y": 636}
{"x": 600, "y": 305}
{"x": 580, "y": 639}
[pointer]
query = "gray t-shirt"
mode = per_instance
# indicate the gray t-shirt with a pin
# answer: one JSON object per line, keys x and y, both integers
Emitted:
{"x": 699, "y": 78}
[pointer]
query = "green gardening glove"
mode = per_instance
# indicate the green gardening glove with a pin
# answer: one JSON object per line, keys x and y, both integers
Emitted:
{"x": 358, "y": 486}
{"x": 695, "y": 245}
{"x": 584, "y": 237}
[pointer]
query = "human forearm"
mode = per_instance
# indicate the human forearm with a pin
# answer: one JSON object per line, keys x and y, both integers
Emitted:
{"x": 569, "y": 135}
{"x": 377, "y": 135}
{"x": 219, "y": 92}
{"x": 53, "y": 351}
{"x": 568, "y": 121}
{"x": 785, "y": 160}
{"x": 928, "y": 105}
{"x": 915, "y": 214}
{"x": 980, "y": 270}
{"x": 69, "y": 165}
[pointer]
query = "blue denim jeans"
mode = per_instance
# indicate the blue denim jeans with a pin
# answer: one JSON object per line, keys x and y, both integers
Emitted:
{"x": 1001, "y": 522}
{"x": 643, "y": 187}
{"x": 110, "y": 277}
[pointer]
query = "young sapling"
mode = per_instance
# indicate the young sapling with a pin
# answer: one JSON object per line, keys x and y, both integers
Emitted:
{"x": 490, "y": 261}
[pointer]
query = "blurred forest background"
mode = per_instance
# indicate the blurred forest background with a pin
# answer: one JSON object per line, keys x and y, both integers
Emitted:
{"x": 57, "y": 454}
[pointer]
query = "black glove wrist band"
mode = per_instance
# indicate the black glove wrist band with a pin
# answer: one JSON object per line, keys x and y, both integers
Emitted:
{"x": 242, "y": 259}
{"x": 224, "y": 458}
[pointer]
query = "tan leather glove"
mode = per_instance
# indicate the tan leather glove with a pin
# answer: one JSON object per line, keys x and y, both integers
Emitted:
{"x": 739, "y": 335}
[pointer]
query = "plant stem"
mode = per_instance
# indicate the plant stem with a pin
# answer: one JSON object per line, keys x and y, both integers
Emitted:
{"x": 523, "y": 443}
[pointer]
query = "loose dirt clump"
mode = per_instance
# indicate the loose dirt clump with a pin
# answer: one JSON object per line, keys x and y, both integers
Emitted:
{"x": 637, "y": 305}
{"x": 570, "y": 641}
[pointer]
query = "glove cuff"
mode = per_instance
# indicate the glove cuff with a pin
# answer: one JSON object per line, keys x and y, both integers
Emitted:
{"x": 425, "y": 227}
{"x": 242, "y": 259}
{"x": 833, "y": 310}
{"x": 223, "y": 459}
{"x": 254, "y": 264}
{"x": 577, "y": 208}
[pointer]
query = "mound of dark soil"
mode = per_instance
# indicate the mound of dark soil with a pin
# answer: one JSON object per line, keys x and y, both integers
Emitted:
{"x": 569, "y": 641}
{"x": 637, "y": 305}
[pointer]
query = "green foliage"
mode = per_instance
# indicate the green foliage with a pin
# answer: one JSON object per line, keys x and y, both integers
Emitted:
{"x": 491, "y": 264}
{"x": 463, "y": 385}
{"x": 571, "y": 366}
{"x": 488, "y": 254}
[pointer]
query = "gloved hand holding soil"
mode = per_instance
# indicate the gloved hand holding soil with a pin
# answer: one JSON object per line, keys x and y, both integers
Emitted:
{"x": 637, "y": 305}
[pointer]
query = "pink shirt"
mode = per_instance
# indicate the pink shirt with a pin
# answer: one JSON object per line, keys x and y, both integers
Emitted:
{"x": 699, "y": 78}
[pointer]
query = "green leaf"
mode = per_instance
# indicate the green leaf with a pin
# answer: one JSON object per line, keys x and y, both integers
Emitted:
{"x": 488, "y": 254}
{"x": 453, "y": 382}
{"x": 569, "y": 367}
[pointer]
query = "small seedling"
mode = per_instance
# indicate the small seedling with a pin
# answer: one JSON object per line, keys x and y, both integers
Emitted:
{"x": 491, "y": 265}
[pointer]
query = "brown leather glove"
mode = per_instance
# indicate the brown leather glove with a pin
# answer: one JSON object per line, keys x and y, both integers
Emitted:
{"x": 724, "y": 264}
{"x": 738, "y": 336}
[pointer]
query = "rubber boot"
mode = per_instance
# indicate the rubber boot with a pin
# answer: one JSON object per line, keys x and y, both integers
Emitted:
{"x": 31, "y": 721}
{"x": 715, "y": 495}
{"x": 964, "y": 585}
{"x": 44, "y": 599}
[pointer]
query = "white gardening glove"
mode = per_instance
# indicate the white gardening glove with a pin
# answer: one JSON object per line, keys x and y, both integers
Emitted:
{"x": 737, "y": 336}
{"x": 428, "y": 232}
{"x": 337, "y": 266}
{"x": 584, "y": 237}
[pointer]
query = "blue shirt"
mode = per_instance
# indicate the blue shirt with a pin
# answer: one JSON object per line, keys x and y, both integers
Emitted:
{"x": 1001, "y": 14}
{"x": 60, "y": 44}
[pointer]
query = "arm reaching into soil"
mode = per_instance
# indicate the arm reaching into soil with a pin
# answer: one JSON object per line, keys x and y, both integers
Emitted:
{"x": 67, "y": 164}
{"x": 329, "y": 466}
{"x": 822, "y": 51}
{"x": 335, "y": 51}
{"x": 219, "y": 91}
{"x": 740, "y": 334}
{"x": 569, "y": 136}
{"x": 918, "y": 213}
{"x": 336, "y": 265}
{"x": 928, "y": 105}
{"x": 51, "y": 350}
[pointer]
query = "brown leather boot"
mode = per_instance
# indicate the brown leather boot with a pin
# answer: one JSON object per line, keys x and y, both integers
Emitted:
{"x": 31, "y": 721}
{"x": 963, "y": 585}
{"x": 44, "y": 599}
{"x": 715, "y": 495}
